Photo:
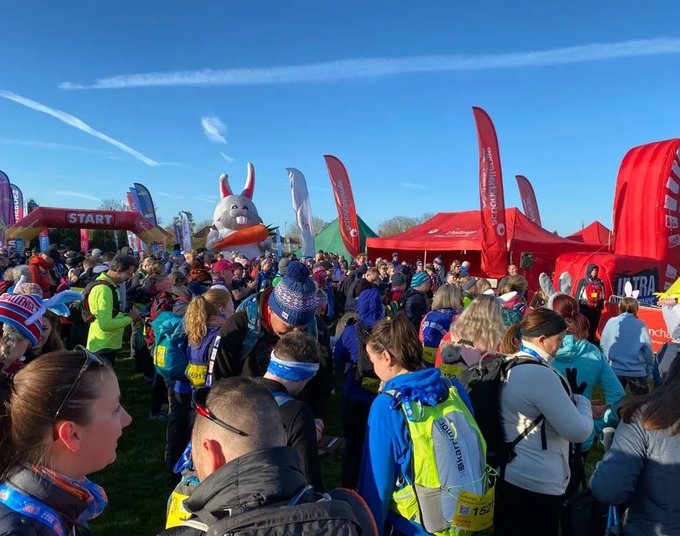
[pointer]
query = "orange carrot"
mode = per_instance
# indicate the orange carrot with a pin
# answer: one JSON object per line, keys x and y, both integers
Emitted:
{"x": 249, "y": 235}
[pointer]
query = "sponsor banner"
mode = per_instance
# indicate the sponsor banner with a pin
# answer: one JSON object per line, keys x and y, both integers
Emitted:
{"x": 146, "y": 204}
{"x": 528, "y": 196}
{"x": 6, "y": 203}
{"x": 43, "y": 241}
{"x": 344, "y": 201}
{"x": 84, "y": 241}
{"x": 492, "y": 202}
{"x": 645, "y": 281}
{"x": 17, "y": 202}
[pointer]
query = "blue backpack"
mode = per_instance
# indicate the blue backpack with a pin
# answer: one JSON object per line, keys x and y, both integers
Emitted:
{"x": 170, "y": 348}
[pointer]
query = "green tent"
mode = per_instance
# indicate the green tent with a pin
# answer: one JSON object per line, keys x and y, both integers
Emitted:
{"x": 329, "y": 239}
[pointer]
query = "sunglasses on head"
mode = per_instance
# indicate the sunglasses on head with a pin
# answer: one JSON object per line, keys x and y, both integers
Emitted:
{"x": 199, "y": 403}
{"x": 89, "y": 358}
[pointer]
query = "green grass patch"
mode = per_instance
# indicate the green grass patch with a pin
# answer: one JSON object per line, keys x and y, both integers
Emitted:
{"x": 136, "y": 483}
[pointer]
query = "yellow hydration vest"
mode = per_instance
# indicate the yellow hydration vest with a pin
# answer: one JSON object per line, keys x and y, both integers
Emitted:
{"x": 449, "y": 493}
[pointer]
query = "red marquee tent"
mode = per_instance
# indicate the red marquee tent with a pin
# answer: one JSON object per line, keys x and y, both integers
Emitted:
{"x": 596, "y": 234}
{"x": 458, "y": 235}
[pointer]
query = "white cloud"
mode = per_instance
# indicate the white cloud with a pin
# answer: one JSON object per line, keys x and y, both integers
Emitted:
{"x": 227, "y": 157}
{"x": 212, "y": 199}
{"x": 165, "y": 194}
{"x": 355, "y": 68}
{"x": 79, "y": 124}
{"x": 214, "y": 129}
{"x": 52, "y": 145}
{"x": 76, "y": 194}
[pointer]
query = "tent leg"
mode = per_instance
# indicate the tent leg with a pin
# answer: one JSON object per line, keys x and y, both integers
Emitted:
{"x": 425, "y": 258}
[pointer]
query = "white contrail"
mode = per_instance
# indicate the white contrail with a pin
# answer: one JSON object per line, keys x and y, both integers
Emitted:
{"x": 76, "y": 194}
{"x": 227, "y": 157}
{"x": 214, "y": 129}
{"x": 77, "y": 123}
{"x": 347, "y": 69}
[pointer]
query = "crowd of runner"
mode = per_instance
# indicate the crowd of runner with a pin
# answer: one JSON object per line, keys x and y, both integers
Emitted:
{"x": 466, "y": 403}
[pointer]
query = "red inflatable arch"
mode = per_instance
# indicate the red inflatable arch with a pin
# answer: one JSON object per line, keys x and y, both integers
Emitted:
{"x": 76, "y": 218}
{"x": 647, "y": 205}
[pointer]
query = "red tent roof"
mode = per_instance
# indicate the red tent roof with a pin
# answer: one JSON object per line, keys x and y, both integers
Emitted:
{"x": 595, "y": 233}
{"x": 456, "y": 231}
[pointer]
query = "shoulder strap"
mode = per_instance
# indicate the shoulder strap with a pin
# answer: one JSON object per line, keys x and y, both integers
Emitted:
{"x": 282, "y": 398}
{"x": 114, "y": 292}
{"x": 195, "y": 524}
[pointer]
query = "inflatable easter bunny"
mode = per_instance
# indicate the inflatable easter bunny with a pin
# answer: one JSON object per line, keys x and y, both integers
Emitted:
{"x": 237, "y": 227}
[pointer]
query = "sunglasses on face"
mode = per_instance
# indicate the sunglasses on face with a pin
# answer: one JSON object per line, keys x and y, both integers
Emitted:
{"x": 89, "y": 359}
{"x": 199, "y": 404}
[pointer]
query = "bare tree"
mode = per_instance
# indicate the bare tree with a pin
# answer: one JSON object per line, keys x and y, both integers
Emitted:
{"x": 399, "y": 224}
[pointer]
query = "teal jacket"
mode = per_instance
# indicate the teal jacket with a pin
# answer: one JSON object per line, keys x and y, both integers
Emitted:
{"x": 594, "y": 369}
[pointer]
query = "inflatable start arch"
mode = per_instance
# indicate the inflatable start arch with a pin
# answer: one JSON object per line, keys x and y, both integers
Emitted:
{"x": 75, "y": 218}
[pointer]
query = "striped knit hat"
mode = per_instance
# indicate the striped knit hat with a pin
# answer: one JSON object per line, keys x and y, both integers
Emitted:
{"x": 419, "y": 278}
{"x": 23, "y": 311}
{"x": 294, "y": 298}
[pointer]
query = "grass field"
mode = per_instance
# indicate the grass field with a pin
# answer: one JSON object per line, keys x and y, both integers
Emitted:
{"x": 136, "y": 483}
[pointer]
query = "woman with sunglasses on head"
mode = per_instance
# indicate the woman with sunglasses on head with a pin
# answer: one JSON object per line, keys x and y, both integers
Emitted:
{"x": 548, "y": 412}
{"x": 415, "y": 403}
{"x": 60, "y": 421}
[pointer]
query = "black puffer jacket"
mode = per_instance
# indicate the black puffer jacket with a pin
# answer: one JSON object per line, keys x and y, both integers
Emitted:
{"x": 67, "y": 506}
{"x": 254, "y": 482}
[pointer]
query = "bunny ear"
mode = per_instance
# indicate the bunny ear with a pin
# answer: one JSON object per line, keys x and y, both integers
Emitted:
{"x": 628, "y": 289}
{"x": 224, "y": 185}
{"x": 249, "y": 188}
{"x": 504, "y": 298}
{"x": 565, "y": 283}
{"x": 546, "y": 284}
{"x": 636, "y": 293}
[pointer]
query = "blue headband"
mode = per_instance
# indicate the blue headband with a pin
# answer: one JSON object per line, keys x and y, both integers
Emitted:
{"x": 292, "y": 371}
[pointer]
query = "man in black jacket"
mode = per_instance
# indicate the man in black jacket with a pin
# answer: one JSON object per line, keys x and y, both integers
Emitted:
{"x": 248, "y": 478}
{"x": 295, "y": 361}
{"x": 415, "y": 299}
{"x": 590, "y": 295}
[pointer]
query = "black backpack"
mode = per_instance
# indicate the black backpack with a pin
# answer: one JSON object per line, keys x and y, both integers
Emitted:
{"x": 87, "y": 315}
{"x": 339, "y": 512}
{"x": 483, "y": 383}
{"x": 365, "y": 373}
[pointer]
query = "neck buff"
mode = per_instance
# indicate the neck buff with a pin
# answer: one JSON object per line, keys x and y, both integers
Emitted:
{"x": 85, "y": 490}
{"x": 292, "y": 371}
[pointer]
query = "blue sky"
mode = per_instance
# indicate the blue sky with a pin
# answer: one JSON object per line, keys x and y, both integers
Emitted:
{"x": 175, "y": 95}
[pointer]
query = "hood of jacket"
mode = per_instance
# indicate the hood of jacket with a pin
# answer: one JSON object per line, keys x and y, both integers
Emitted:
{"x": 257, "y": 479}
{"x": 590, "y": 268}
{"x": 426, "y": 386}
{"x": 573, "y": 348}
{"x": 369, "y": 307}
{"x": 39, "y": 261}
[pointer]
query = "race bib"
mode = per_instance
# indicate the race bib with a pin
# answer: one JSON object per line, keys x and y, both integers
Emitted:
{"x": 196, "y": 374}
{"x": 474, "y": 512}
{"x": 176, "y": 512}
{"x": 159, "y": 356}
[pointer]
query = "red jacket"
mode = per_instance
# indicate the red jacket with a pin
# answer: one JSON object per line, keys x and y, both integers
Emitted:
{"x": 40, "y": 274}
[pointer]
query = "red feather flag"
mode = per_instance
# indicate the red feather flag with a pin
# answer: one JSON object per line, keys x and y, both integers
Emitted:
{"x": 344, "y": 201}
{"x": 494, "y": 245}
